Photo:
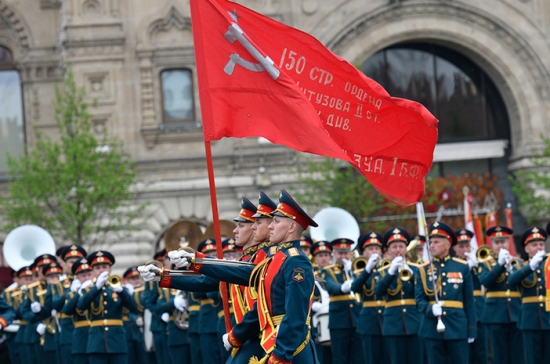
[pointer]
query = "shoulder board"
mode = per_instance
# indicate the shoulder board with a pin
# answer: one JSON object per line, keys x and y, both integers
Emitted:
{"x": 315, "y": 265}
{"x": 414, "y": 264}
{"x": 460, "y": 260}
{"x": 384, "y": 268}
{"x": 293, "y": 252}
{"x": 33, "y": 284}
{"x": 139, "y": 289}
{"x": 331, "y": 266}
{"x": 16, "y": 294}
{"x": 525, "y": 263}
{"x": 10, "y": 289}
{"x": 425, "y": 264}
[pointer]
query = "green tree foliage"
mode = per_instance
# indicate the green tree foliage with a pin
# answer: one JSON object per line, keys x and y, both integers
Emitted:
{"x": 332, "y": 182}
{"x": 78, "y": 188}
{"x": 528, "y": 184}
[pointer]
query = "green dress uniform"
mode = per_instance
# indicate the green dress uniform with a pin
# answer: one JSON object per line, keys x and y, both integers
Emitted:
{"x": 19, "y": 339}
{"x": 134, "y": 336}
{"x": 33, "y": 352}
{"x": 10, "y": 295}
{"x": 81, "y": 327}
{"x": 371, "y": 316}
{"x": 478, "y": 349}
{"x": 158, "y": 327}
{"x": 178, "y": 343}
{"x": 534, "y": 321}
{"x": 193, "y": 333}
{"x": 501, "y": 313}
{"x": 324, "y": 351}
{"x": 105, "y": 338}
{"x": 455, "y": 288}
{"x": 65, "y": 335}
{"x": 401, "y": 320}
{"x": 344, "y": 309}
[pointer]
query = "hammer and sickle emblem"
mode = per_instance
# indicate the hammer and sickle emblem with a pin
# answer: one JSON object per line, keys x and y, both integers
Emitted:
{"x": 235, "y": 33}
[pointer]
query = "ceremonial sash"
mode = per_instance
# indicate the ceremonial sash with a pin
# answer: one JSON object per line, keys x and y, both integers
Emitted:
{"x": 267, "y": 327}
{"x": 237, "y": 300}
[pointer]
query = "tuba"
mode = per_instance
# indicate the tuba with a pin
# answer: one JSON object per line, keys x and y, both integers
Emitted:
{"x": 180, "y": 317}
{"x": 183, "y": 233}
{"x": 226, "y": 230}
{"x": 26, "y": 242}
{"x": 334, "y": 223}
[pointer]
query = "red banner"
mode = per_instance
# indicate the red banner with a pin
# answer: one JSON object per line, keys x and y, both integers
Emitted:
{"x": 259, "y": 77}
{"x": 508, "y": 214}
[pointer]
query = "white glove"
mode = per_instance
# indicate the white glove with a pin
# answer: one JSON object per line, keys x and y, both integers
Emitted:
{"x": 503, "y": 255}
{"x": 346, "y": 287}
{"x": 41, "y": 329}
{"x": 165, "y": 317}
{"x": 471, "y": 340}
{"x": 347, "y": 265}
{"x": 535, "y": 261}
{"x": 316, "y": 306}
{"x": 100, "y": 282}
{"x": 117, "y": 289}
{"x": 139, "y": 321}
{"x": 226, "y": 343}
{"x": 373, "y": 260}
{"x": 179, "y": 302}
{"x": 130, "y": 288}
{"x": 437, "y": 310}
{"x": 181, "y": 258}
{"x": 396, "y": 263}
{"x": 54, "y": 313}
{"x": 148, "y": 272}
{"x": 472, "y": 259}
{"x": 87, "y": 283}
{"x": 75, "y": 285}
{"x": 36, "y": 307}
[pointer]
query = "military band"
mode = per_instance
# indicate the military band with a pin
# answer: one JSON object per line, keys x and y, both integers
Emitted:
{"x": 376, "y": 300}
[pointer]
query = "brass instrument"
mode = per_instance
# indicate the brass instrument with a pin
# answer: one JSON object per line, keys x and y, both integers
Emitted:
{"x": 412, "y": 255}
{"x": 512, "y": 262}
{"x": 483, "y": 253}
{"x": 180, "y": 317}
{"x": 352, "y": 295}
{"x": 113, "y": 281}
{"x": 50, "y": 325}
{"x": 226, "y": 230}
{"x": 182, "y": 233}
{"x": 404, "y": 274}
{"x": 382, "y": 262}
{"x": 359, "y": 263}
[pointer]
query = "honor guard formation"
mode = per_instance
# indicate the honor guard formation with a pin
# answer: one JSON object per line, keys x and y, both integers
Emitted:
{"x": 379, "y": 297}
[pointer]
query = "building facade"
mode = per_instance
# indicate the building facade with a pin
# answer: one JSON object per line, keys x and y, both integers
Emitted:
{"x": 136, "y": 58}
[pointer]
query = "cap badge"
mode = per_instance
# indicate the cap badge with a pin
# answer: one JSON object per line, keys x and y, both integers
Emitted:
{"x": 535, "y": 230}
{"x": 396, "y": 231}
{"x": 436, "y": 224}
{"x": 373, "y": 235}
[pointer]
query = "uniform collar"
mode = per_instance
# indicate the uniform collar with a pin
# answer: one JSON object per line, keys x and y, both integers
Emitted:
{"x": 266, "y": 245}
{"x": 250, "y": 250}
{"x": 436, "y": 259}
{"x": 288, "y": 244}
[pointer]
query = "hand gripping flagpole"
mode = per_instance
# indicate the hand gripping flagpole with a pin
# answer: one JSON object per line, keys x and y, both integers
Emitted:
{"x": 214, "y": 201}
{"x": 420, "y": 207}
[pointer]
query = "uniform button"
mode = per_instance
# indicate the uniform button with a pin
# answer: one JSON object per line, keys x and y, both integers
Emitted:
{"x": 105, "y": 311}
{"x": 442, "y": 264}
{"x": 105, "y": 293}
{"x": 444, "y": 293}
{"x": 444, "y": 283}
{"x": 106, "y": 329}
{"x": 443, "y": 274}
{"x": 444, "y": 312}
{"x": 542, "y": 304}
{"x": 404, "y": 310}
{"x": 507, "y": 273}
{"x": 104, "y": 302}
{"x": 509, "y": 299}
{"x": 350, "y": 305}
{"x": 538, "y": 270}
{"x": 538, "y": 279}
{"x": 379, "y": 311}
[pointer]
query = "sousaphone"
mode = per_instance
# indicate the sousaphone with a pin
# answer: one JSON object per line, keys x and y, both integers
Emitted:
{"x": 183, "y": 233}
{"x": 226, "y": 230}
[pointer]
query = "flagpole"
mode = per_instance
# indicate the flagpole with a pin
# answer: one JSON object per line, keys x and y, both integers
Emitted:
{"x": 214, "y": 201}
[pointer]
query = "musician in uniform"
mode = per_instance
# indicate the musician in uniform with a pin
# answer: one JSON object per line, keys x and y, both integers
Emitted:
{"x": 284, "y": 285}
{"x": 371, "y": 315}
{"x": 48, "y": 315}
{"x": 306, "y": 244}
{"x": 420, "y": 241}
{"x": 502, "y": 300}
{"x": 26, "y": 278}
{"x": 10, "y": 295}
{"x": 401, "y": 319}
{"x": 322, "y": 255}
{"x": 106, "y": 343}
{"x": 534, "y": 322}
{"x": 455, "y": 304}
{"x": 82, "y": 272}
{"x": 462, "y": 249}
{"x": 134, "y": 321}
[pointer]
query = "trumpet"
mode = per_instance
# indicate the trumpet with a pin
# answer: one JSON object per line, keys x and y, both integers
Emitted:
{"x": 113, "y": 281}
{"x": 359, "y": 263}
{"x": 381, "y": 262}
{"x": 483, "y": 253}
{"x": 180, "y": 317}
{"x": 512, "y": 262}
{"x": 404, "y": 274}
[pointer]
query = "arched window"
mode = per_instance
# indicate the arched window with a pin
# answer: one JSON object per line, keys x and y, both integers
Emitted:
{"x": 12, "y": 135}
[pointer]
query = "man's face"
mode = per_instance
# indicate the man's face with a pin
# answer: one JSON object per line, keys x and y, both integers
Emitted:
{"x": 243, "y": 232}
{"x": 306, "y": 250}
{"x": 533, "y": 247}
{"x": 371, "y": 249}
{"x": 85, "y": 276}
{"x": 69, "y": 263}
{"x": 25, "y": 281}
{"x": 261, "y": 230}
{"x": 500, "y": 243}
{"x": 279, "y": 229}
{"x": 341, "y": 255}
{"x": 322, "y": 259}
{"x": 167, "y": 263}
{"x": 439, "y": 246}
{"x": 52, "y": 278}
{"x": 397, "y": 248}
{"x": 231, "y": 255}
{"x": 100, "y": 268}
{"x": 462, "y": 248}
{"x": 134, "y": 281}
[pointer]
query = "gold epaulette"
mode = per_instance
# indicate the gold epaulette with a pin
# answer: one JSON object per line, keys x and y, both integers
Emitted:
{"x": 11, "y": 289}
{"x": 381, "y": 269}
{"x": 314, "y": 265}
{"x": 460, "y": 260}
{"x": 33, "y": 284}
{"x": 330, "y": 266}
{"x": 414, "y": 264}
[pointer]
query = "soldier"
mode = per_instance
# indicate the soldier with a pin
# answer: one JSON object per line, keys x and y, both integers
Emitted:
{"x": 344, "y": 305}
{"x": 82, "y": 272}
{"x": 502, "y": 300}
{"x": 134, "y": 321}
{"x": 371, "y": 315}
{"x": 455, "y": 307}
{"x": 26, "y": 278}
{"x": 401, "y": 319}
{"x": 106, "y": 343}
{"x": 51, "y": 272}
{"x": 322, "y": 255}
{"x": 420, "y": 241}
{"x": 478, "y": 349}
{"x": 8, "y": 295}
{"x": 305, "y": 245}
{"x": 534, "y": 319}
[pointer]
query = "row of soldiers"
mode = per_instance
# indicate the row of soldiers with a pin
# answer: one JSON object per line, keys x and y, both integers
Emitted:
{"x": 380, "y": 315}
{"x": 386, "y": 312}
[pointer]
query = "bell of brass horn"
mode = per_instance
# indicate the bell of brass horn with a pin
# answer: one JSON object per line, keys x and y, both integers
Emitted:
{"x": 114, "y": 281}
{"x": 26, "y": 242}
{"x": 335, "y": 223}
{"x": 404, "y": 274}
{"x": 483, "y": 253}
{"x": 226, "y": 230}
{"x": 359, "y": 263}
{"x": 182, "y": 233}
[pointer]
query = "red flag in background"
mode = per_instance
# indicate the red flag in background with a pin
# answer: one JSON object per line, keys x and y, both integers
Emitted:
{"x": 478, "y": 230}
{"x": 490, "y": 221}
{"x": 508, "y": 214}
{"x": 259, "y": 77}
